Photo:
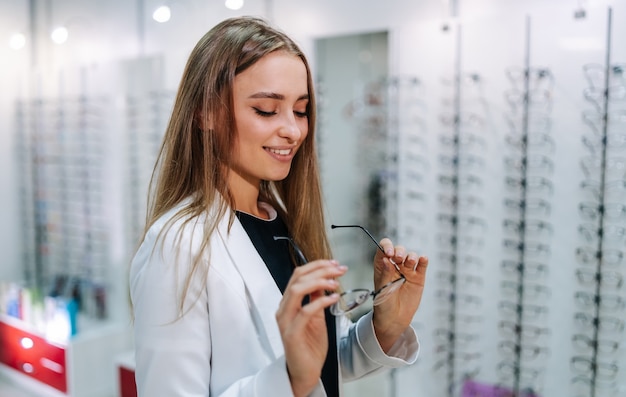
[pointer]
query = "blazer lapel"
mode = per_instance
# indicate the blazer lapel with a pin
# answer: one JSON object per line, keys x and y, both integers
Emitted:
{"x": 261, "y": 287}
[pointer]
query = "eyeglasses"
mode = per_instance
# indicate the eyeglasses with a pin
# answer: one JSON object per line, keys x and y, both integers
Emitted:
{"x": 603, "y": 371}
{"x": 607, "y": 278}
{"x": 354, "y": 298}
{"x": 596, "y": 74}
{"x": 585, "y": 343}
{"x": 536, "y": 141}
{"x": 535, "y": 162}
{"x": 533, "y": 206}
{"x": 351, "y": 299}
{"x": 528, "y": 352}
{"x": 605, "y": 302}
{"x": 536, "y": 77}
{"x": 526, "y": 331}
{"x": 530, "y": 269}
{"x": 611, "y": 210}
{"x": 607, "y": 323}
{"x": 591, "y": 256}
{"x": 595, "y": 144}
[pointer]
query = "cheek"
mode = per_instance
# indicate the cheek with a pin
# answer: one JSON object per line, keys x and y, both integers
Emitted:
{"x": 251, "y": 131}
{"x": 303, "y": 125}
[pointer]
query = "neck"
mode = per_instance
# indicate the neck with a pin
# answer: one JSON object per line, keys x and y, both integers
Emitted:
{"x": 246, "y": 195}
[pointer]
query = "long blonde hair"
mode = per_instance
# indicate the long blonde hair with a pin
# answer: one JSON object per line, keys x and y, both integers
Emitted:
{"x": 193, "y": 161}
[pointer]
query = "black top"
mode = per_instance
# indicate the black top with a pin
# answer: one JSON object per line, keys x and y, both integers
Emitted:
{"x": 277, "y": 258}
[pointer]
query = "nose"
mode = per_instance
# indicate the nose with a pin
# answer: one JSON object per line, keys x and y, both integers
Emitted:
{"x": 289, "y": 128}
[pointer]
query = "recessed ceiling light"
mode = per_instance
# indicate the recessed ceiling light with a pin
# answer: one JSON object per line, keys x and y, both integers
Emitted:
{"x": 17, "y": 41}
{"x": 233, "y": 4}
{"x": 59, "y": 35}
{"x": 162, "y": 14}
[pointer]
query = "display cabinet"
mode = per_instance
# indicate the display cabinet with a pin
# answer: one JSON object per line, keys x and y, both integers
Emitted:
{"x": 85, "y": 366}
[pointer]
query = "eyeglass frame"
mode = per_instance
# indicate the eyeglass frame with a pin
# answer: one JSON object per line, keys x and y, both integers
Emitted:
{"x": 334, "y": 309}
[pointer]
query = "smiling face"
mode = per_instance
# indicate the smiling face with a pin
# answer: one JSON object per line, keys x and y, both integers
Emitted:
{"x": 270, "y": 107}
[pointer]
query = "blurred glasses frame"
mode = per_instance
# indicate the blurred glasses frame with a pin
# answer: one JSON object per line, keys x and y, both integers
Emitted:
{"x": 509, "y": 370}
{"x": 614, "y": 140}
{"x": 585, "y": 343}
{"x": 532, "y": 206}
{"x": 529, "y": 352}
{"x": 527, "y": 331}
{"x": 531, "y": 269}
{"x": 592, "y": 277}
{"x": 604, "y": 323}
{"x": 591, "y": 256}
{"x": 595, "y": 73}
{"x": 593, "y": 211}
{"x": 603, "y": 301}
{"x": 602, "y": 371}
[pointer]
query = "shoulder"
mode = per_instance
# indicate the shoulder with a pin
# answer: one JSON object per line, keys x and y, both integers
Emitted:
{"x": 175, "y": 221}
{"x": 173, "y": 234}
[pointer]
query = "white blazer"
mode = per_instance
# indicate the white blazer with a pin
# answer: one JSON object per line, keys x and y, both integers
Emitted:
{"x": 227, "y": 343}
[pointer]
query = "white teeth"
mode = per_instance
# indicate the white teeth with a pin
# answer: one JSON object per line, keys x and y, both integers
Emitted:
{"x": 282, "y": 152}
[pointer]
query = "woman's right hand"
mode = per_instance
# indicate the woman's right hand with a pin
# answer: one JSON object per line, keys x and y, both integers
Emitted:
{"x": 303, "y": 327}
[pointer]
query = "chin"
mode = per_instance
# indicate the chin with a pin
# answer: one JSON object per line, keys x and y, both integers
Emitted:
{"x": 279, "y": 176}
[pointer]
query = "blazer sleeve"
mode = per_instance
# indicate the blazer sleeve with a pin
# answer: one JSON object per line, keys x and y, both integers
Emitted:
{"x": 173, "y": 353}
{"x": 360, "y": 353}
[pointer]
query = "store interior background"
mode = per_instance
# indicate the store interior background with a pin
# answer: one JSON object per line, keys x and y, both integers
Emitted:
{"x": 404, "y": 88}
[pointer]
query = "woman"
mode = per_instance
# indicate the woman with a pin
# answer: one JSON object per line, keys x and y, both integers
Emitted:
{"x": 220, "y": 309}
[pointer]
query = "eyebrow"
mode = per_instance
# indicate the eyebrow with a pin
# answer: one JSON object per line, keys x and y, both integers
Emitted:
{"x": 273, "y": 95}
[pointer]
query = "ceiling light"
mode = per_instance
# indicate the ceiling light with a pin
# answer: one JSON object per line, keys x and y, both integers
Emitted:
{"x": 17, "y": 41}
{"x": 162, "y": 14}
{"x": 59, "y": 35}
{"x": 233, "y": 4}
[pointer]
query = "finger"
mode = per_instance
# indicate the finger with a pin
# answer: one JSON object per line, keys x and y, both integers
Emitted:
{"x": 316, "y": 282}
{"x": 422, "y": 265}
{"x": 396, "y": 253}
{"x": 313, "y": 266}
{"x": 328, "y": 269}
{"x": 300, "y": 319}
{"x": 318, "y": 269}
{"x": 411, "y": 261}
{"x": 416, "y": 274}
{"x": 387, "y": 246}
{"x": 316, "y": 305}
{"x": 304, "y": 286}
{"x": 399, "y": 255}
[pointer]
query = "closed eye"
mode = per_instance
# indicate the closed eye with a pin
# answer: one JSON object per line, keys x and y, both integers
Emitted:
{"x": 263, "y": 113}
{"x": 301, "y": 114}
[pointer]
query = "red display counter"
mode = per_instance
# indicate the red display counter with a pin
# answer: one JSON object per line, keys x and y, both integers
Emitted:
{"x": 85, "y": 366}
{"x": 33, "y": 356}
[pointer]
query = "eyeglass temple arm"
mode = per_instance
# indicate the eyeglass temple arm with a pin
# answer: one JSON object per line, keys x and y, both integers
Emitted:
{"x": 372, "y": 238}
{"x": 297, "y": 249}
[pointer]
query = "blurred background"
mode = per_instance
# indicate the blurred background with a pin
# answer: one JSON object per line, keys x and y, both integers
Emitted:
{"x": 488, "y": 135}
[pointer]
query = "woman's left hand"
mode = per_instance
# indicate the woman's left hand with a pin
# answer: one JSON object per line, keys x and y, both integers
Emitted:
{"x": 394, "y": 315}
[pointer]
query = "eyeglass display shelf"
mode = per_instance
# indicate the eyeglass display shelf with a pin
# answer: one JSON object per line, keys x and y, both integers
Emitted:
{"x": 84, "y": 366}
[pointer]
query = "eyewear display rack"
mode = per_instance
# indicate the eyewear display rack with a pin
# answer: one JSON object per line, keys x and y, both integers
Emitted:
{"x": 146, "y": 118}
{"x": 599, "y": 300}
{"x": 405, "y": 159}
{"x": 404, "y": 195}
{"x": 62, "y": 152}
{"x": 527, "y": 240}
{"x": 460, "y": 228}
{"x": 505, "y": 177}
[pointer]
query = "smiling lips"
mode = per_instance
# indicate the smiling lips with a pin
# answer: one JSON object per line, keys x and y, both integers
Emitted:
{"x": 280, "y": 152}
